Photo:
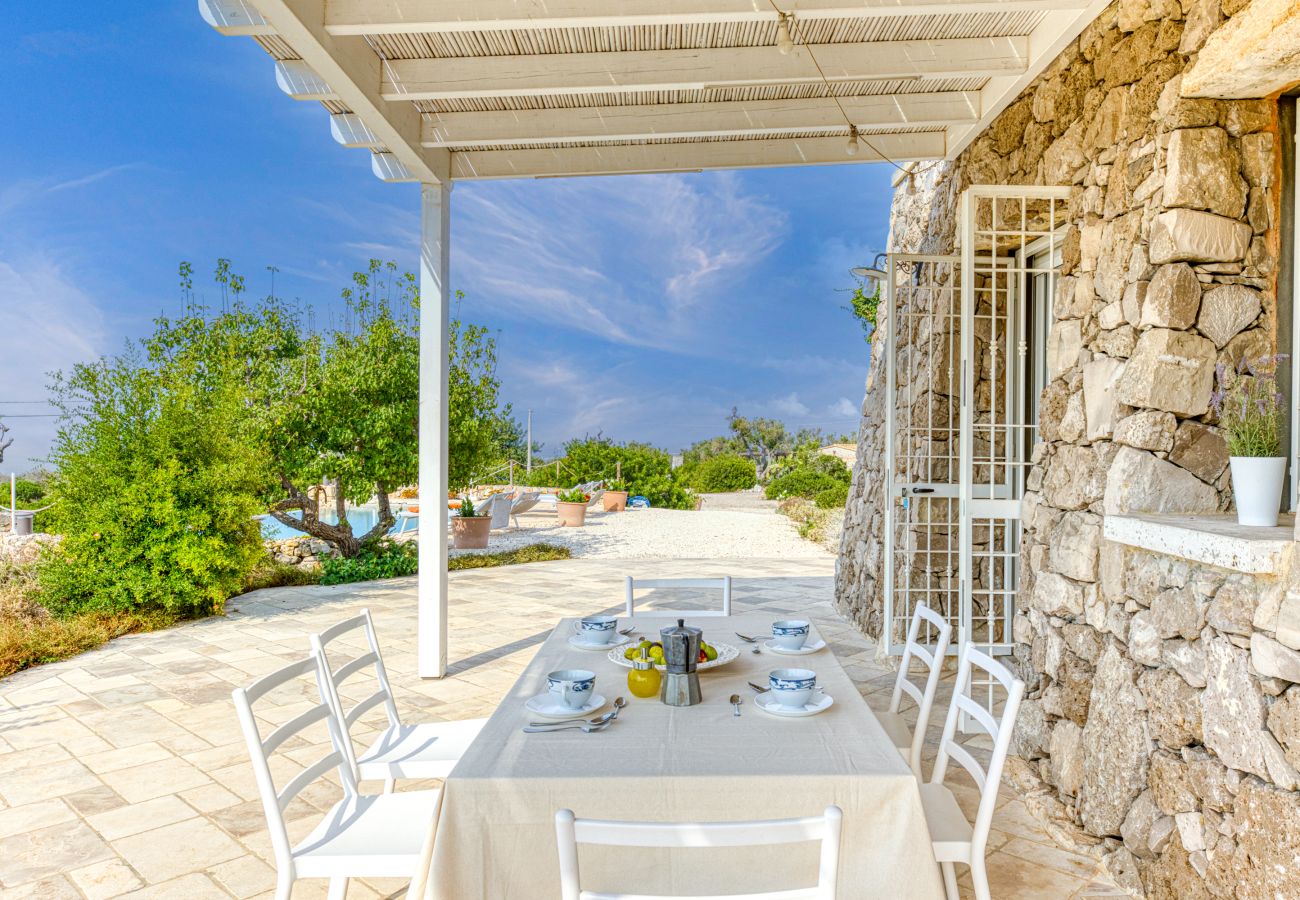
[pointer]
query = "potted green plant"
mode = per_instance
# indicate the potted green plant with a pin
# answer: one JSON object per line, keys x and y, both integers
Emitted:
{"x": 469, "y": 530}
{"x": 615, "y": 497}
{"x": 1249, "y": 406}
{"x": 571, "y": 507}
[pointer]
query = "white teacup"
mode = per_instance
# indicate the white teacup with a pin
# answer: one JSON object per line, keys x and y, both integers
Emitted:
{"x": 792, "y": 688}
{"x": 790, "y": 634}
{"x": 572, "y": 686}
{"x": 596, "y": 630}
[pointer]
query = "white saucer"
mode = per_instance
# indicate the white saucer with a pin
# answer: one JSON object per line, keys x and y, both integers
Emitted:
{"x": 802, "y": 651}
{"x": 549, "y": 706}
{"x": 769, "y": 704}
{"x": 574, "y": 642}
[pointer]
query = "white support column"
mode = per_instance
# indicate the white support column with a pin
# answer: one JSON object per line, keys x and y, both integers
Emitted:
{"x": 435, "y": 233}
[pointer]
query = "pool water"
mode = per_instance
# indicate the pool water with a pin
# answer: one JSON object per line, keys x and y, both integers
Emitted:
{"x": 361, "y": 518}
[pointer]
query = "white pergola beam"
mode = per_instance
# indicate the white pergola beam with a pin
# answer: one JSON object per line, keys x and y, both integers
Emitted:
{"x": 669, "y": 70}
{"x": 236, "y": 18}
{"x": 355, "y": 17}
{"x": 643, "y": 158}
{"x": 431, "y": 581}
{"x": 681, "y": 120}
{"x": 1052, "y": 35}
{"x": 352, "y": 71}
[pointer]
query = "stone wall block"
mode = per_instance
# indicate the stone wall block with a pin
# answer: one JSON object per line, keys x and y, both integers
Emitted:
{"x": 1187, "y": 658}
{"x": 1203, "y": 171}
{"x": 1233, "y": 609}
{"x": 1065, "y": 753}
{"x": 1100, "y": 400}
{"x": 1064, "y": 343}
{"x": 1140, "y": 482}
{"x": 1116, "y": 746}
{"x": 1178, "y": 612}
{"x": 1075, "y": 478}
{"x": 1201, "y": 450}
{"x": 1187, "y": 235}
{"x": 1173, "y": 298}
{"x": 1147, "y": 429}
{"x": 1169, "y": 370}
{"x": 1273, "y": 660}
{"x": 1226, "y": 311}
{"x": 1284, "y": 723}
{"x": 1233, "y": 710}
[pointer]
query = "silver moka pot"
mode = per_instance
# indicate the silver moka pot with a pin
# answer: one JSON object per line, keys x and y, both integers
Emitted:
{"x": 681, "y": 683}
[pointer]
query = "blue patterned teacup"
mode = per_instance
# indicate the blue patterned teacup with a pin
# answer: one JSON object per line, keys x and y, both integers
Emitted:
{"x": 596, "y": 630}
{"x": 572, "y": 686}
{"x": 792, "y": 688}
{"x": 790, "y": 634}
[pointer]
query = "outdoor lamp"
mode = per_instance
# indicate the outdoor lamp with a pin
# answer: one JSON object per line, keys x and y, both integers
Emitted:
{"x": 873, "y": 275}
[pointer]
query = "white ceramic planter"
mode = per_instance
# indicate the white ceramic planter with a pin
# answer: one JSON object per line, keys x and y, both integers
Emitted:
{"x": 1257, "y": 488}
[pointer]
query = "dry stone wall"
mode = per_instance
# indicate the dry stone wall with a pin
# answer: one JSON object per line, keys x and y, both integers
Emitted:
{"x": 1148, "y": 711}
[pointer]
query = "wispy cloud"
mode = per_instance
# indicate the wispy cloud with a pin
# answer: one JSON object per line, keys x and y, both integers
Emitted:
{"x": 54, "y": 324}
{"x": 632, "y": 260}
{"x": 22, "y": 193}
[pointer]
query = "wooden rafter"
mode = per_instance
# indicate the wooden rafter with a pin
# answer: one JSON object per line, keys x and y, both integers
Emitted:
{"x": 683, "y": 120}
{"x": 433, "y": 16}
{"x": 666, "y": 70}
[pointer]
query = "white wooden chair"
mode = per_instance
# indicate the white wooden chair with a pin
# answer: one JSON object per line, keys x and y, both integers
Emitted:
{"x": 571, "y": 831}
{"x": 644, "y": 584}
{"x": 910, "y": 742}
{"x": 955, "y": 839}
{"x": 427, "y": 750}
{"x": 376, "y": 836}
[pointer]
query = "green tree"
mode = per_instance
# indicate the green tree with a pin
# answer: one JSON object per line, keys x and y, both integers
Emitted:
{"x": 762, "y": 440}
{"x": 865, "y": 308}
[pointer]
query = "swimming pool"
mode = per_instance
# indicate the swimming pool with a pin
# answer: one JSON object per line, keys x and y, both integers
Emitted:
{"x": 361, "y": 518}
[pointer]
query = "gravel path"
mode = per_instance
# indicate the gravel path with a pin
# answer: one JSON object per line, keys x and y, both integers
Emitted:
{"x": 666, "y": 534}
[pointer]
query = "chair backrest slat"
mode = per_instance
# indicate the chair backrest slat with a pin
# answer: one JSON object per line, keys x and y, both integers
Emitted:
{"x": 300, "y": 722}
{"x": 571, "y": 831}
{"x": 306, "y": 777}
{"x": 632, "y": 585}
{"x": 932, "y": 657}
{"x": 320, "y": 645}
{"x": 1000, "y": 729}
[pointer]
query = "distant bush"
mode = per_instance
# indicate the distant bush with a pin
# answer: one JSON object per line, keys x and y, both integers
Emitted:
{"x": 832, "y": 498}
{"x": 647, "y": 470}
{"x": 381, "y": 559}
{"x": 721, "y": 474}
{"x": 804, "y": 482}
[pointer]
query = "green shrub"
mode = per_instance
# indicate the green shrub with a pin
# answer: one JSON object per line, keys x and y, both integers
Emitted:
{"x": 832, "y": 498}
{"x": 381, "y": 559}
{"x": 721, "y": 474}
{"x": 155, "y": 490}
{"x": 526, "y": 554}
{"x": 804, "y": 482}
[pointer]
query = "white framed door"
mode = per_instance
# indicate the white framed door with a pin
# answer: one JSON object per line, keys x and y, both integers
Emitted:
{"x": 1010, "y": 246}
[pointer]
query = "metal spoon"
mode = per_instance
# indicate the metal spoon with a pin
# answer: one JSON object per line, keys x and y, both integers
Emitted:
{"x": 735, "y": 704}
{"x": 759, "y": 688}
{"x": 749, "y": 640}
{"x": 586, "y": 727}
{"x": 619, "y": 703}
{"x": 602, "y": 719}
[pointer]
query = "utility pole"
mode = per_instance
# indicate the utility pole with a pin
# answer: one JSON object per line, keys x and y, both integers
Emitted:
{"x": 528, "y": 466}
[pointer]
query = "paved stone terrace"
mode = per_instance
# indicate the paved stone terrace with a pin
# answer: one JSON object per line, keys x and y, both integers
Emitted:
{"x": 123, "y": 771}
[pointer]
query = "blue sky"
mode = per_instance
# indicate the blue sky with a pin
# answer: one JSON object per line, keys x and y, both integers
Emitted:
{"x": 644, "y": 307}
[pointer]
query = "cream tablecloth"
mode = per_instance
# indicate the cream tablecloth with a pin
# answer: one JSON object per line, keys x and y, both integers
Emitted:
{"x": 495, "y": 838}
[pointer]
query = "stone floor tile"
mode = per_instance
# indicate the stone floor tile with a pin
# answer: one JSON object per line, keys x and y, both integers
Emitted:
{"x": 31, "y": 816}
{"x": 1050, "y": 855}
{"x": 95, "y": 800}
{"x": 187, "y": 887}
{"x": 42, "y": 782}
{"x": 1010, "y": 876}
{"x": 139, "y": 817}
{"x": 244, "y": 877}
{"x": 106, "y": 879}
{"x": 173, "y": 851}
{"x": 49, "y": 851}
{"x": 155, "y": 779}
{"x": 209, "y": 798}
{"x": 55, "y": 887}
{"x": 114, "y": 759}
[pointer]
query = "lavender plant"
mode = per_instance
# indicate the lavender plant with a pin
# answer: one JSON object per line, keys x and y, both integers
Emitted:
{"x": 1249, "y": 406}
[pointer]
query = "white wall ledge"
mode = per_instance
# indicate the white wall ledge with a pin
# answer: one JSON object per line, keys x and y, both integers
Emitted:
{"x": 1215, "y": 540}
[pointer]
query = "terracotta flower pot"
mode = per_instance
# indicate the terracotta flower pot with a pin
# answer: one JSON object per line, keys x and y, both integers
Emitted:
{"x": 614, "y": 501}
{"x": 470, "y": 532}
{"x": 572, "y": 514}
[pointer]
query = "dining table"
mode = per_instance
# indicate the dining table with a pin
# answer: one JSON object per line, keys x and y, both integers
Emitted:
{"x": 495, "y": 836}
